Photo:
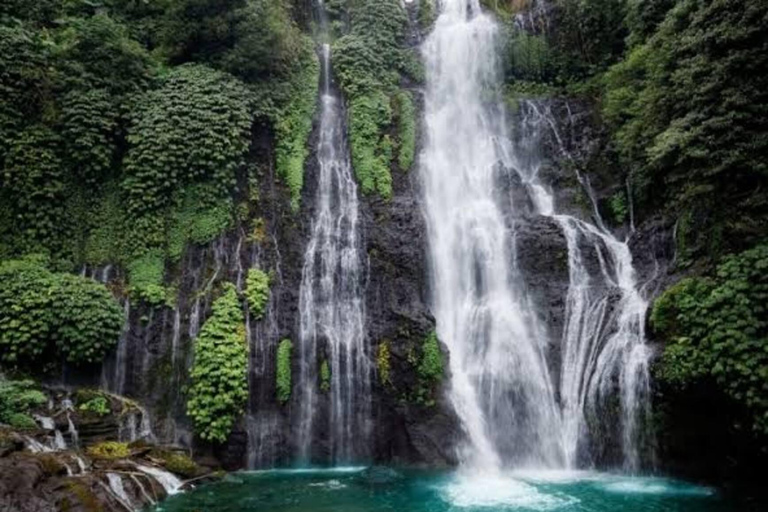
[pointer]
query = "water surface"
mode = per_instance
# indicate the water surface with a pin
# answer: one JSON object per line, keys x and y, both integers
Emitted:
{"x": 357, "y": 490}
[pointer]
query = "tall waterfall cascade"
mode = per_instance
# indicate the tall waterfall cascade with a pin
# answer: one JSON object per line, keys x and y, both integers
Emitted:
{"x": 332, "y": 345}
{"x": 517, "y": 407}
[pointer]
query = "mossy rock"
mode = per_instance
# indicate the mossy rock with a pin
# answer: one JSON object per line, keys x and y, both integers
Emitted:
{"x": 51, "y": 464}
{"x": 109, "y": 450}
{"x": 84, "y": 498}
{"x": 177, "y": 463}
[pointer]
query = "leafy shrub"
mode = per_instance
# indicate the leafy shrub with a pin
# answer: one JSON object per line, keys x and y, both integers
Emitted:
{"x": 16, "y": 400}
{"x": 257, "y": 291}
{"x": 431, "y": 364}
{"x": 283, "y": 374}
{"x": 109, "y": 450}
{"x": 219, "y": 387}
{"x": 371, "y": 148}
{"x": 717, "y": 328}
{"x": 46, "y": 313}
{"x": 194, "y": 128}
{"x": 98, "y": 405}
{"x": 199, "y": 218}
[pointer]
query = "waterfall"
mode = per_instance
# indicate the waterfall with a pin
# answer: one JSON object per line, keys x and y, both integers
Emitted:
{"x": 515, "y": 408}
{"x": 168, "y": 481}
{"x": 331, "y": 294}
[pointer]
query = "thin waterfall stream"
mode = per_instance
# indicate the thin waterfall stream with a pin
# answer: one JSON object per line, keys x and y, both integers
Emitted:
{"x": 332, "y": 343}
{"x": 516, "y": 410}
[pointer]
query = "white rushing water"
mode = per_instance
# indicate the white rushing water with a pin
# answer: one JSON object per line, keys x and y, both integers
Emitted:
{"x": 515, "y": 410}
{"x": 331, "y": 295}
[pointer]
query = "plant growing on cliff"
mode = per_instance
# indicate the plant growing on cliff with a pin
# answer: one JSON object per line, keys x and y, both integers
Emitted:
{"x": 49, "y": 314}
{"x": 257, "y": 292}
{"x": 283, "y": 373}
{"x": 405, "y": 114}
{"x": 17, "y": 398}
{"x": 219, "y": 388}
{"x": 368, "y": 63}
{"x": 325, "y": 376}
{"x": 383, "y": 363}
{"x": 716, "y": 328}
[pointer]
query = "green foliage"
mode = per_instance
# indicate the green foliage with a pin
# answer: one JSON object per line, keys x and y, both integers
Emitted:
{"x": 109, "y": 450}
{"x": 689, "y": 110}
{"x": 47, "y": 314}
{"x": 325, "y": 376}
{"x": 17, "y": 398}
{"x": 427, "y": 360}
{"x": 219, "y": 387}
{"x": 368, "y": 63}
{"x": 283, "y": 374}
{"x": 431, "y": 365}
{"x": 146, "y": 278}
{"x": 98, "y": 405}
{"x": 33, "y": 176}
{"x": 529, "y": 57}
{"x": 371, "y": 148}
{"x": 717, "y": 328}
{"x": 384, "y": 363}
{"x": 197, "y": 219}
{"x": 618, "y": 205}
{"x": 293, "y": 122}
{"x": 257, "y": 292}
{"x": 194, "y": 128}
{"x": 405, "y": 114}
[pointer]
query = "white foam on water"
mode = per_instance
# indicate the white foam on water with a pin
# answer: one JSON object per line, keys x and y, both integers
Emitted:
{"x": 655, "y": 486}
{"x": 330, "y": 484}
{"x": 555, "y": 476}
{"x": 500, "y": 491}
{"x": 308, "y": 471}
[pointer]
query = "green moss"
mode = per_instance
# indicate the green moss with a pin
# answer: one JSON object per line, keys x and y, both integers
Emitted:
{"x": 383, "y": 363}
{"x": 325, "y": 376}
{"x": 200, "y": 217}
{"x": 109, "y": 450}
{"x": 405, "y": 115}
{"x": 177, "y": 462}
{"x": 257, "y": 291}
{"x": 283, "y": 374}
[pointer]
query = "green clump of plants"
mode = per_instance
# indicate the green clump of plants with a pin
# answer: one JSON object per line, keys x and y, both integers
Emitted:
{"x": 109, "y": 450}
{"x": 716, "y": 328}
{"x": 98, "y": 405}
{"x": 54, "y": 315}
{"x": 199, "y": 218}
{"x": 194, "y": 128}
{"x": 17, "y": 399}
{"x": 177, "y": 462}
{"x": 146, "y": 277}
{"x": 219, "y": 389}
{"x": 618, "y": 205}
{"x": 688, "y": 108}
{"x": 431, "y": 364}
{"x": 283, "y": 374}
{"x": 257, "y": 292}
{"x": 405, "y": 114}
{"x": 325, "y": 376}
{"x": 383, "y": 362}
{"x": 293, "y": 122}
{"x": 368, "y": 64}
